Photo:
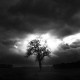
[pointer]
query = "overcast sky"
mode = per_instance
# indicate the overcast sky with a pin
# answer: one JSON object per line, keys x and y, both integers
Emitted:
{"x": 18, "y": 17}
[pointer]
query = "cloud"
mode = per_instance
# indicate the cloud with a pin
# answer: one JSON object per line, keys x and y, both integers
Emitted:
{"x": 27, "y": 16}
{"x": 66, "y": 56}
{"x": 18, "y": 17}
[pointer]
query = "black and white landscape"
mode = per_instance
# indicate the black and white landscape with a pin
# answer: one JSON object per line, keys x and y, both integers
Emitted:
{"x": 21, "y": 21}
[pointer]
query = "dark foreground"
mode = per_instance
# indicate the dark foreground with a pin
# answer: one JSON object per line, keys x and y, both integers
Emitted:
{"x": 33, "y": 73}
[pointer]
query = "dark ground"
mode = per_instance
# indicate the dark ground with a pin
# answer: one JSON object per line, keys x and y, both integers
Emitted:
{"x": 33, "y": 73}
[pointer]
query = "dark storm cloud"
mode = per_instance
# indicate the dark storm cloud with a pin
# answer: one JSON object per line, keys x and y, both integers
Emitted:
{"x": 66, "y": 56}
{"x": 28, "y": 15}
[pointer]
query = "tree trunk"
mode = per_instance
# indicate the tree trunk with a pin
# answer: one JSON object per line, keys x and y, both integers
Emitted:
{"x": 40, "y": 65}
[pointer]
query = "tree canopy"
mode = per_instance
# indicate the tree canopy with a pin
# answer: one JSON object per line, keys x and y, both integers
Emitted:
{"x": 35, "y": 48}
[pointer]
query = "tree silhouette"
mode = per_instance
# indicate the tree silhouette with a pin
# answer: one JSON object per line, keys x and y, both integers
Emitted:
{"x": 35, "y": 48}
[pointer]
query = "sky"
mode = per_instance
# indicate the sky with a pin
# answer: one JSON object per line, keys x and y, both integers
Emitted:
{"x": 20, "y": 17}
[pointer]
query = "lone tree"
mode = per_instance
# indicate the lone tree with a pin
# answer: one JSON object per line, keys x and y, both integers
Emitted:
{"x": 35, "y": 48}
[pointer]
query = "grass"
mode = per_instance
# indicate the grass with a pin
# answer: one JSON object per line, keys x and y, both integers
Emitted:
{"x": 33, "y": 73}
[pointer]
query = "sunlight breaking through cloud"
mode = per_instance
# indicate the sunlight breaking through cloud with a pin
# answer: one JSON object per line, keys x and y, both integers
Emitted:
{"x": 52, "y": 42}
{"x": 72, "y": 38}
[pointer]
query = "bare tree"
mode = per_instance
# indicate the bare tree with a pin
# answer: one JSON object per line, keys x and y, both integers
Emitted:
{"x": 35, "y": 48}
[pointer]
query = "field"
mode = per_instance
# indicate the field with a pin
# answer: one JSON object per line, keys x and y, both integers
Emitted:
{"x": 33, "y": 73}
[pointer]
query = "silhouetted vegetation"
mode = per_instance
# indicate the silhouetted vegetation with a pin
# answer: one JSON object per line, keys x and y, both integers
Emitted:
{"x": 67, "y": 65}
{"x": 6, "y": 65}
{"x": 35, "y": 48}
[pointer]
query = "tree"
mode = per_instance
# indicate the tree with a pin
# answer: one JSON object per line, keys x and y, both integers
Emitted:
{"x": 35, "y": 48}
